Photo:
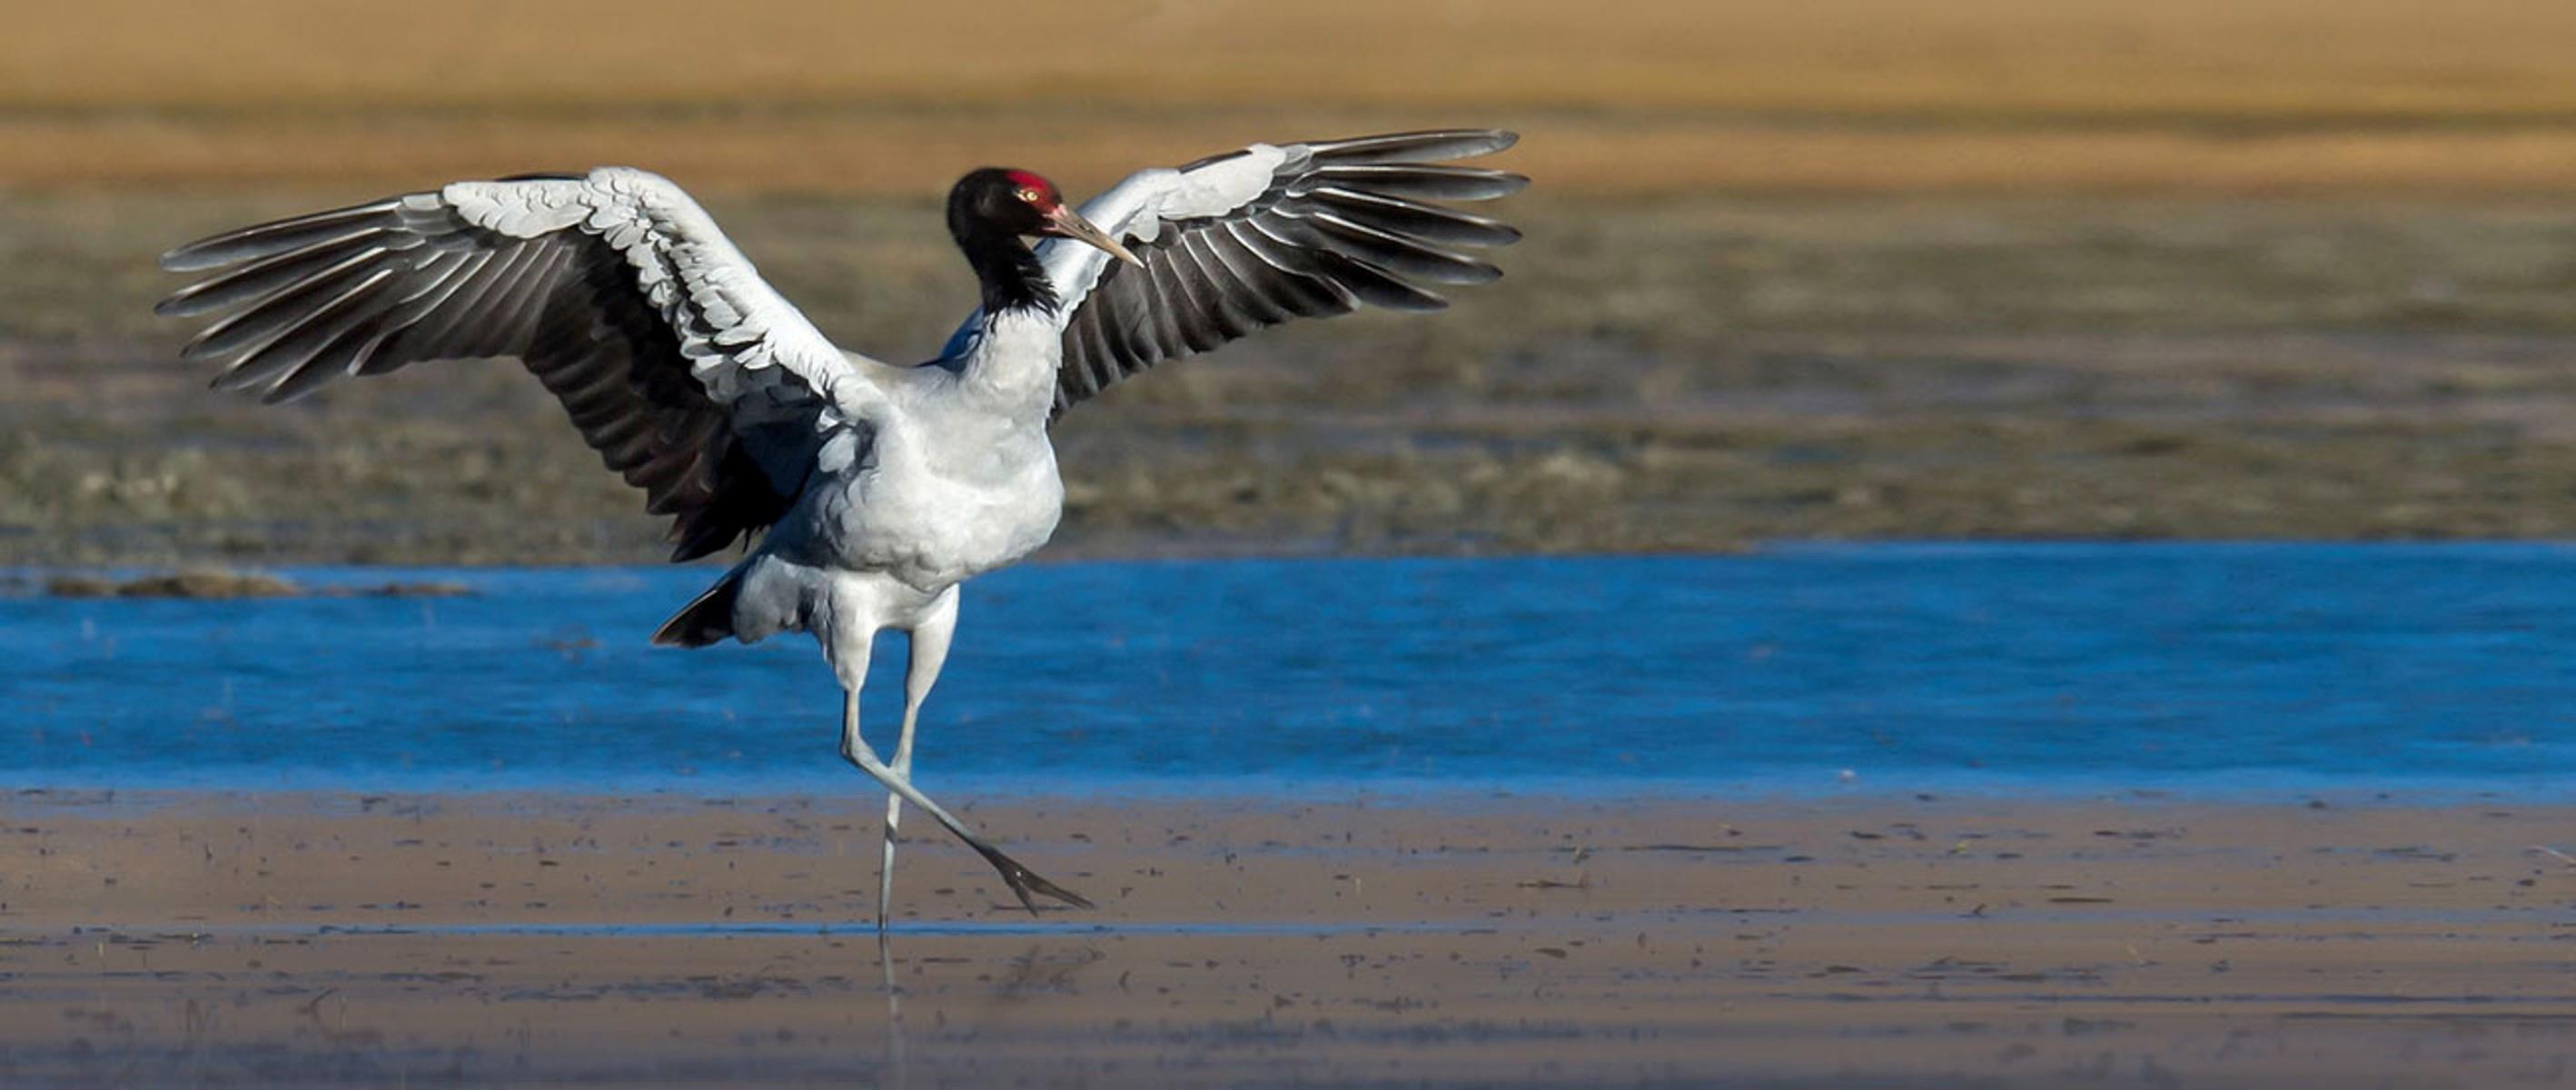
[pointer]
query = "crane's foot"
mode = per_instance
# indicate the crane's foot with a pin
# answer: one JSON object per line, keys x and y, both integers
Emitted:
{"x": 1024, "y": 881}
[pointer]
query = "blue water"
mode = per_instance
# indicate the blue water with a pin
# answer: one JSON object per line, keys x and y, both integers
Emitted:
{"x": 2219, "y": 669}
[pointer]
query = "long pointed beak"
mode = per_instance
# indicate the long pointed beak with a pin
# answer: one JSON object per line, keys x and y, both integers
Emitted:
{"x": 1066, "y": 222}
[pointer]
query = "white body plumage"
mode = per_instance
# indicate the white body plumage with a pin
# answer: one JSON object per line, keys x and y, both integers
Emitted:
{"x": 946, "y": 474}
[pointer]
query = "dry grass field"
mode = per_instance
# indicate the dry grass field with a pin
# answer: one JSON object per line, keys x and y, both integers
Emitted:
{"x": 1623, "y": 98}
{"x": 2236, "y": 58}
{"x": 1842, "y": 268}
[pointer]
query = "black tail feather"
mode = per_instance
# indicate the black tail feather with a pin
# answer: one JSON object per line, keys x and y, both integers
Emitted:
{"x": 706, "y": 620}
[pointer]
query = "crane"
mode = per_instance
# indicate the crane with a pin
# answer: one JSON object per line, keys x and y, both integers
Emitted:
{"x": 865, "y": 493}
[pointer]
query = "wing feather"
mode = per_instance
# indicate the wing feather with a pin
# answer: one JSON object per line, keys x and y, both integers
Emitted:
{"x": 1238, "y": 242}
{"x": 271, "y": 239}
{"x": 1414, "y": 220}
{"x": 1330, "y": 232}
{"x": 687, "y": 374}
{"x": 1414, "y": 147}
{"x": 259, "y": 279}
{"x": 292, "y": 356}
{"x": 1216, "y": 291}
{"x": 1414, "y": 181}
{"x": 1288, "y": 274}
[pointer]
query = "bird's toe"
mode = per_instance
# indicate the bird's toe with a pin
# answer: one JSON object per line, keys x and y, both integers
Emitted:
{"x": 1025, "y": 882}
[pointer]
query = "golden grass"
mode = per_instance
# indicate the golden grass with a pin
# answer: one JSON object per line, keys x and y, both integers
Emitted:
{"x": 917, "y": 154}
{"x": 1620, "y": 98}
{"x": 2316, "y": 57}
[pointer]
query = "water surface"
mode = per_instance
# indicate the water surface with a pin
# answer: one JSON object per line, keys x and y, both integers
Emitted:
{"x": 2228, "y": 669}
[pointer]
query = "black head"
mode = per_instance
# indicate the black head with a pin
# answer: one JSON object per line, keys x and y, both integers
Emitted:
{"x": 998, "y": 203}
{"x": 991, "y": 210}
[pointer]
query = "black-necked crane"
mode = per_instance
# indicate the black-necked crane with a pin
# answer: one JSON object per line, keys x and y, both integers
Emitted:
{"x": 871, "y": 490}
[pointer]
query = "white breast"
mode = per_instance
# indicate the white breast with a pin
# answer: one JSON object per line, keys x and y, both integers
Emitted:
{"x": 961, "y": 479}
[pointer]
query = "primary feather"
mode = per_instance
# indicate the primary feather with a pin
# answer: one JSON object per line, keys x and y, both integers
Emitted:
{"x": 1238, "y": 242}
{"x": 670, "y": 355}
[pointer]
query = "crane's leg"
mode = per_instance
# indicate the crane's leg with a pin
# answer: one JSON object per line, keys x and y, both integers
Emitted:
{"x": 929, "y": 652}
{"x": 1022, "y": 880}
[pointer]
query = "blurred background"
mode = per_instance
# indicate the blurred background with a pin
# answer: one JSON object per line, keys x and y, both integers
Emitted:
{"x": 1833, "y": 269}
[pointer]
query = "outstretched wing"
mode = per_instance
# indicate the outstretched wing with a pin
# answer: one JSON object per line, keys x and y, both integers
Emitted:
{"x": 692, "y": 378}
{"x": 1247, "y": 240}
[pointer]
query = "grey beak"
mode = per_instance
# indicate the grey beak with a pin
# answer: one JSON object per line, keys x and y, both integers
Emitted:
{"x": 1064, "y": 221}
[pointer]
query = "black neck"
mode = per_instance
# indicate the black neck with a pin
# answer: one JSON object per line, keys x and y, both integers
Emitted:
{"x": 1010, "y": 273}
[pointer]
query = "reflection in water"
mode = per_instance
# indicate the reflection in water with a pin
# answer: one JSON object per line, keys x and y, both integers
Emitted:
{"x": 1038, "y": 972}
{"x": 894, "y": 1062}
{"x": 1042, "y": 970}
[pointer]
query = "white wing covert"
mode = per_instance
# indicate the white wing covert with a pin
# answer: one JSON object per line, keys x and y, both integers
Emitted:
{"x": 688, "y": 374}
{"x": 1254, "y": 238}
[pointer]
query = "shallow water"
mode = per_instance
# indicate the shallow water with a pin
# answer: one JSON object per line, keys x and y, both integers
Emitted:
{"x": 2223, "y": 669}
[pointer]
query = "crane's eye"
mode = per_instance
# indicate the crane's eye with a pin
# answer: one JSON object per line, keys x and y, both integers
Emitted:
{"x": 1029, "y": 195}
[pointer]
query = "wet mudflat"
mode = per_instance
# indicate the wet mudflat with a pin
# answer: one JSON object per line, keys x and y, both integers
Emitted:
{"x": 282, "y": 939}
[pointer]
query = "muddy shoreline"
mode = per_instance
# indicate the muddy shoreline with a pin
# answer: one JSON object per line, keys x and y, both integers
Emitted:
{"x": 290, "y": 939}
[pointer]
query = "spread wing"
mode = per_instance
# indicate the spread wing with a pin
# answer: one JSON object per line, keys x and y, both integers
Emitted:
{"x": 1247, "y": 240}
{"x": 692, "y": 378}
